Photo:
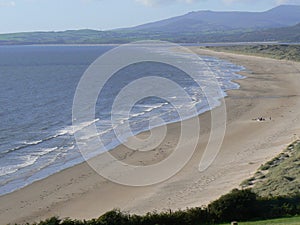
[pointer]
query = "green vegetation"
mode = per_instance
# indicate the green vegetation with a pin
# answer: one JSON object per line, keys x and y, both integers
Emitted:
{"x": 278, "y": 177}
{"x": 283, "y": 221}
{"x": 286, "y": 52}
{"x": 65, "y": 37}
{"x": 287, "y": 34}
{"x": 113, "y": 37}
{"x": 241, "y": 205}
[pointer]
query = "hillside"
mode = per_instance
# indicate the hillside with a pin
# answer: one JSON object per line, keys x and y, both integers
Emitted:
{"x": 203, "y": 21}
{"x": 63, "y": 37}
{"x": 284, "y": 34}
{"x": 280, "y": 176}
{"x": 278, "y": 24}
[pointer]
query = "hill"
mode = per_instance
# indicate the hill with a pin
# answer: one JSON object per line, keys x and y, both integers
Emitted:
{"x": 203, "y": 21}
{"x": 280, "y": 176}
{"x": 285, "y": 34}
{"x": 278, "y": 24}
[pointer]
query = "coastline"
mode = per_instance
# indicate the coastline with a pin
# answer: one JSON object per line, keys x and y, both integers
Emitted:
{"x": 10, "y": 184}
{"x": 78, "y": 192}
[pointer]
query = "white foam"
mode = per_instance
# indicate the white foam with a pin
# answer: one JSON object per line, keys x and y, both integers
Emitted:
{"x": 71, "y": 130}
{"x": 33, "y": 142}
{"x": 28, "y": 160}
{"x": 45, "y": 151}
{"x": 137, "y": 114}
{"x": 94, "y": 135}
{"x": 150, "y": 108}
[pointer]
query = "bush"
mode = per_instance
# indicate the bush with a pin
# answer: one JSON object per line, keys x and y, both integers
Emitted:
{"x": 238, "y": 205}
{"x": 241, "y": 205}
{"x": 51, "y": 221}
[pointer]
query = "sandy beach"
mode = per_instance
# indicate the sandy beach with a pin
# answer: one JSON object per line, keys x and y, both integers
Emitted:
{"x": 271, "y": 89}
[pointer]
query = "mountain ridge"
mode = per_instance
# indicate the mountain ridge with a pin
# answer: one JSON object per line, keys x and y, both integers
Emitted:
{"x": 277, "y": 24}
{"x": 280, "y": 16}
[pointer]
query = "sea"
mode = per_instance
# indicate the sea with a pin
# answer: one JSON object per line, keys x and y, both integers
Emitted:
{"x": 37, "y": 88}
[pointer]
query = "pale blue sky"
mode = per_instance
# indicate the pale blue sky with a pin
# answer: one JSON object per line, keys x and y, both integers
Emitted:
{"x": 49, "y": 15}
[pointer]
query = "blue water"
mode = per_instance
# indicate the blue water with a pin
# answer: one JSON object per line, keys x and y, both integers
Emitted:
{"x": 37, "y": 87}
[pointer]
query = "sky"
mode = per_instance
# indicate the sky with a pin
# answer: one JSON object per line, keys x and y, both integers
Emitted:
{"x": 58, "y": 15}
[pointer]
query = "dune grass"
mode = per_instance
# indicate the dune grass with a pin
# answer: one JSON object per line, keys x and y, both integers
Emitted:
{"x": 278, "y": 177}
{"x": 276, "y": 51}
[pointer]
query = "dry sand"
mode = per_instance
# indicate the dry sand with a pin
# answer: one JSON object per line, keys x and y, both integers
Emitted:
{"x": 271, "y": 89}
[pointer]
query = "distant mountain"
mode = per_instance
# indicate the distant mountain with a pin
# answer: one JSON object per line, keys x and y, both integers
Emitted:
{"x": 281, "y": 16}
{"x": 85, "y": 36}
{"x": 277, "y": 24}
{"x": 284, "y": 34}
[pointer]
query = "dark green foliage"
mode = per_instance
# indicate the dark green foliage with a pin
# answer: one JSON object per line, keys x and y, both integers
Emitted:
{"x": 241, "y": 205}
{"x": 114, "y": 217}
{"x": 51, "y": 221}
{"x": 279, "y": 207}
{"x": 238, "y": 205}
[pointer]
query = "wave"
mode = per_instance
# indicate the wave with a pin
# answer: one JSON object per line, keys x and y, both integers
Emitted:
{"x": 27, "y": 161}
{"x": 94, "y": 135}
{"x": 150, "y": 108}
{"x": 136, "y": 114}
{"x": 71, "y": 130}
{"x": 33, "y": 142}
{"x": 26, "y": 144}
{"x": 66, "y": 131}
{"x": 45, "y": 151}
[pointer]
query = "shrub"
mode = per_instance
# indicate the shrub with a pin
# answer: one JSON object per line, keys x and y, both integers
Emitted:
{"x": 241, "y": 205}
{"x": 237, "y": 205}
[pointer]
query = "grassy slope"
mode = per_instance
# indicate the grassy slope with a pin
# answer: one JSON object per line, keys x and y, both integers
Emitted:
{"x": 280, "y": 176}
{"x": 286, "y": 52}
{"x": 284, "y": 221}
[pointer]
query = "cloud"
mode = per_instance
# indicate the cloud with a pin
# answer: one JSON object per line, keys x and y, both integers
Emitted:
{"x": 5, "y": 3}
{"x": 292, "y": 2}
{"x": 278, "y": 2}
{"x": 163, "y": 2}
{"x": 228, "y": 2}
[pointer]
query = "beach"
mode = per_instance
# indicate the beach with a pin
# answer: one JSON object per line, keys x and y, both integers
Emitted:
{"x": 270, "y": 90}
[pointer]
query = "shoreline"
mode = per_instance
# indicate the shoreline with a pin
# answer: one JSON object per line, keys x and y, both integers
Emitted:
{"x": 247, "y": 144}
{"x": 178, "y": 43}
{"x": 234, "y": 80}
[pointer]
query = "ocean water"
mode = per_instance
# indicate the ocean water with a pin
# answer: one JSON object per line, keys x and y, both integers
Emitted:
{"x": 37, "y": 87}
